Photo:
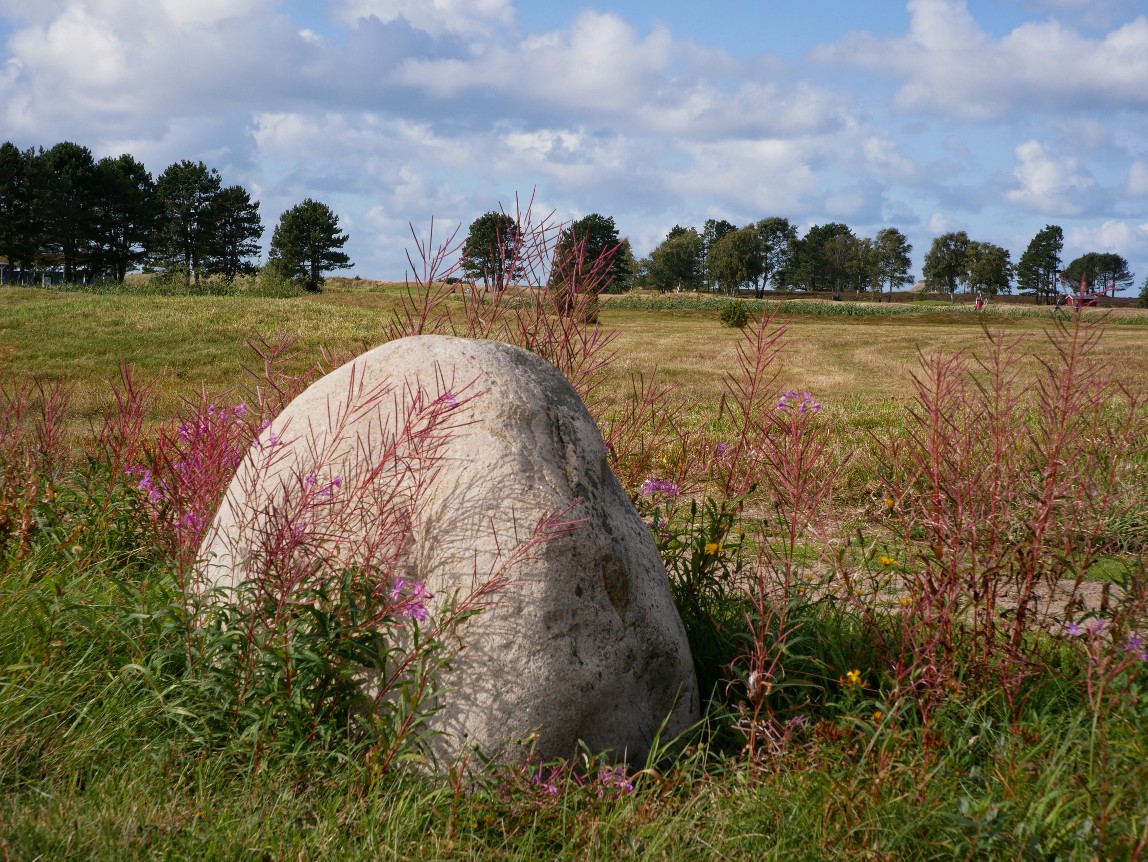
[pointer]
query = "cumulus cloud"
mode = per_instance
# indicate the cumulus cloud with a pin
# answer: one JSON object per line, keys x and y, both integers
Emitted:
{"x": 882, "y": 158}
{"x": 940, "y": 222}
{"x": 1049, "y": 184}
{"x": 598, "y": 62}
{"x": 764, "y": 175}
{"x": 466, "y": 18}
{"x": 1136, "y": 183}
{"x": 1128, "y": 239}
{"x": 948, "y": 65}
{"x": 601, "y": 68}
{"x": 93, "y": 67}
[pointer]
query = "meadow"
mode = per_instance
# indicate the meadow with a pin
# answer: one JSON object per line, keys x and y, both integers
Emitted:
{"x": 864, "y": 512}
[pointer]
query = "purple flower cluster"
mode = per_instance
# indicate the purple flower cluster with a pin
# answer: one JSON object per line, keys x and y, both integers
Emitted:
{"x": 149, "y": 484}
{"x": 1135, "y": 645}
{"x": 201, "y": 458}
{"x": 609, "y": 781}
{"x": 665, "y": 487}
{"x": 1074, "y": 630}
{"x": 414, "y": 605}
{"x": 544, "y": 780}
{"x": 190, "y": 429}
{"x": 802, "y": 402}
{"x": 612, "y": 781}
{"x": 327, "y": 490}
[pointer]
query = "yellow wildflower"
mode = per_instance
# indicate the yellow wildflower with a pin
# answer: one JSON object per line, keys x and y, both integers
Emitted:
{"x": 852, "y": 679}
{"x": 886, "y": 561}
{"x": 713, "y": 548}
{"x": 905, "y": 601}
{"x": 878, "y": 715}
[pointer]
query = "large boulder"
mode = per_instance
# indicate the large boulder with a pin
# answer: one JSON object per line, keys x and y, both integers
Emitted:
{"x": 478, "y": 442}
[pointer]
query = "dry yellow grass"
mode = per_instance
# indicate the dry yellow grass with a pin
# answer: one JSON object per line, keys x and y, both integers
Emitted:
{"x": 841, "y": 360}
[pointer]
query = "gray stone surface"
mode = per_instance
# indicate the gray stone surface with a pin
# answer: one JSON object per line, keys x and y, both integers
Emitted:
{"x": 584, "y": 642}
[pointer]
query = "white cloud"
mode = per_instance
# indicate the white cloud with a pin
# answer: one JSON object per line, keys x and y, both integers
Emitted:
{"x": 948, "y": 65}
{"x": 940, "y": 223}
{"x": 859, "y": 201}
{"x": 755, "y": 109}
{"x": 206, "y": 13}
{"x": 763, "y": 177}
{"x": 1126, "y": 239}
{"x": 436, "y": 17}
{"x": 77, "y": 46}
{"x": 599, "y": 62}
{"x": 883, "y": 159}
{"x": 1048, "y": 184}
{"x": 601, "y": 68}
{"x": 90, "y": 68}
{"x": 1136, "y": 183}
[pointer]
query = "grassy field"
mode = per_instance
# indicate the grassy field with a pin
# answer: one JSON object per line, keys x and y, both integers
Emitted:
{"x": 194, "y": 341}
{"x": 849, "y": 577}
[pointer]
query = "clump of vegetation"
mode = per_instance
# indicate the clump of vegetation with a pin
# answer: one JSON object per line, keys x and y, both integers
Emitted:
{"x": 733, "y": 314}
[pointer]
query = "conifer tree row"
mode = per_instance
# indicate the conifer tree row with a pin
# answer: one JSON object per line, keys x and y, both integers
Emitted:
{"x": 60, "y": 208}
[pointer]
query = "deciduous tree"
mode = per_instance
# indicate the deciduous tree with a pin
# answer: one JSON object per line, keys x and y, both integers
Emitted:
{"x": 777, "y": 239}
{"x": 990, "y": 268}
{"x": 946, "y": 264}
{"x": 814, "y": 268}
{"x": 735, "y": 260}
{"x": 712, "y": 231}
{"x": 491, "y": 250}
{"x": 676, "y": 263}
{"x": 592, "y": 243}
{"x": 843, "y": 260}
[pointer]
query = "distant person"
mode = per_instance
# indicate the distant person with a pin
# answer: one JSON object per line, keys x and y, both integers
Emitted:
{"x": 980, "y": 303}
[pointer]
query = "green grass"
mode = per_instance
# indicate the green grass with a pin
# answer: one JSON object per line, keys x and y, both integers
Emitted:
{"x": 94, "y": 766}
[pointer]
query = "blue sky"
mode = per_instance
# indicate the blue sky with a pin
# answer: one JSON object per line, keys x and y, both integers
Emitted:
{"x": 931, "y": 115}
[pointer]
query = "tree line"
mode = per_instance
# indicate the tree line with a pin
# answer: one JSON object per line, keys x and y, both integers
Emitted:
{"x": 831, "y": 258}
{"x": 725, "y": 258}
{"x": 99, "y": 220}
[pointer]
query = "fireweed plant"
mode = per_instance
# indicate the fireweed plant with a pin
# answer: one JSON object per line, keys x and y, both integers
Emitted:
{"x": 916, "y": 659}
{"x": 321, "y": 643}
{"x": 994, "y": 492}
